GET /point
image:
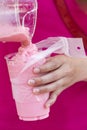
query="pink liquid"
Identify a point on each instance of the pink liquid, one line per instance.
(29, 106)
(14, 34)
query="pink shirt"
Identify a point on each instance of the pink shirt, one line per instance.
(70, 110)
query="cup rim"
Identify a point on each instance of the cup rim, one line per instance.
(9, 56)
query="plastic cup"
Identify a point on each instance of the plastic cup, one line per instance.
(29, 106)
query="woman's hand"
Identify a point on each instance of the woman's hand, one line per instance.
(58, 73)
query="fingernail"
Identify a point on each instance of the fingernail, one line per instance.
(36, 70)
(36, 90)
(31, 82)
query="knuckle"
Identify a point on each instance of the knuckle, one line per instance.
(39, 80)
(53, 65)
(53, 76)
(47, 89)
(55, 86)
(44, 90)
(60, 83)
(44, 68)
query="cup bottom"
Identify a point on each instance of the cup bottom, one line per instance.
(32, 111)
(34, 118)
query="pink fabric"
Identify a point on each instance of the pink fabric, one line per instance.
(70, 110)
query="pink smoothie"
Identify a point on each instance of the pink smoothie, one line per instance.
(14, 34)
(29, 106)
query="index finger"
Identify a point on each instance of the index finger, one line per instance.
(51, 64)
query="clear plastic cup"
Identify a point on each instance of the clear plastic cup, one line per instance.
(29, 106)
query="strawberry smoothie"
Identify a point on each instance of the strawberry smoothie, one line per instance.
(14, 34)
(29, 106)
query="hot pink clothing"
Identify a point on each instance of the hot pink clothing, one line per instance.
(70, 110)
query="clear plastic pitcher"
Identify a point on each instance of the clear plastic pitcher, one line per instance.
(17, 17)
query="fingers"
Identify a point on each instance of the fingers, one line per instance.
(53, 97)
(55, 89)
(57, 77)
(50, 87)
(49, 77)
(45, 89)
(51, 64)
